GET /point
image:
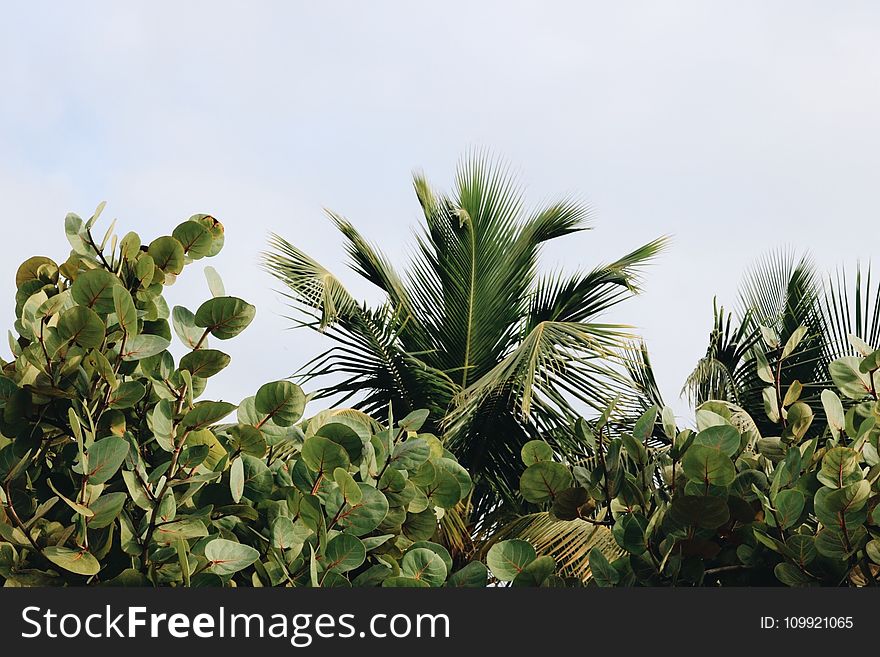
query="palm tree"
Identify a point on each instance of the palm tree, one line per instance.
(783, 292)
(498, 352)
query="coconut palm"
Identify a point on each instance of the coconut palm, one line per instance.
(499, 352)
(783, 292)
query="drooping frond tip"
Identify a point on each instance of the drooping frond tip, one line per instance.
(308, 281)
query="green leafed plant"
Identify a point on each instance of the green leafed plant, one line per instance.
(114, 470)
(726, 504)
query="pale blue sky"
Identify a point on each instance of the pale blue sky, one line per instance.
(735, 127)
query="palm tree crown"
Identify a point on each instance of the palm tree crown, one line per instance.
(498, 352)
(782, 293)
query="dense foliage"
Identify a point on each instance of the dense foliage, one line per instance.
(725, 503)
(114, 471)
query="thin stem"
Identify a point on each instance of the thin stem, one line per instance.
(100, 253)
(18, 523)
(202, 339)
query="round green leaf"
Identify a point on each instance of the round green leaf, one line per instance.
(603, 572)
(424, 565)
(204, 363)
(228, 557)
(216, 230)
(454, 468)
(243, 438)
(800, 416)
(105, 457)
(225, 317)
(106, 509)
(76, 561)
(184, 323)
(507, 559)
(344, 436)
(567, 503)
(31, 269)
(708, 512)
(445, 490)
(536, 450)
(803, 548)
(629, 532)
(723, 438)
(282, 402)
(420, 526)
(536, 572)
(708, 465)
(167, 253)
(206, 413)
(144, 346)
(840, 467)
(287, 534)
(790, 575)
(344, 553)
(127, 394)
(543, 481)
(323, 456)
(125, 310)
(83, 326)
(833, 544)
(438, 549)
(351, 492)
(195, 239)
(410, 454)
(258, 478)
(94, 289)
(835, 505)
(848, 379)
(206, 437)
(363, 517)
(789, 506)
(473, 575)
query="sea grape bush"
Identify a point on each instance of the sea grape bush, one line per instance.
(358, 504)
(113, 470)
(724, 504)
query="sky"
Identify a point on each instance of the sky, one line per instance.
(735, 128)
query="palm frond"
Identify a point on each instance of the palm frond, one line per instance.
(779, 290)
(637, 361)
(470, 332)
(554, 357)
(581, 297)
(467, 281)
(569, 542)
(717, 375)
(312, 285)
(850, 307)
(368, 261)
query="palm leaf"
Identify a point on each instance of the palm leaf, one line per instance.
(850, 308)
(469, 330)
(568, 541)
(312, 285)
